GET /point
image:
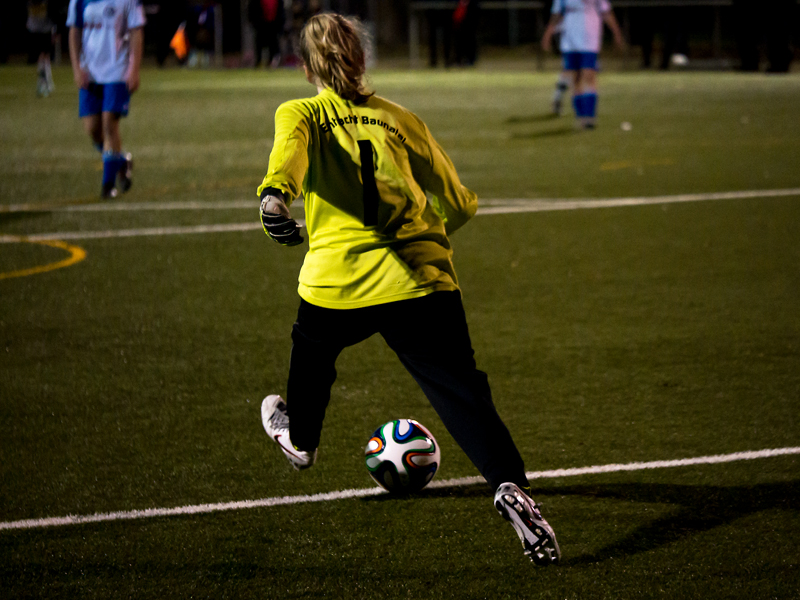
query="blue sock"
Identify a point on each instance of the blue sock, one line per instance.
(112, 163)
(591, 104)
(579, 103)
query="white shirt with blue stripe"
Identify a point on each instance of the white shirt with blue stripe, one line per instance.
(106, 25)
(582, 24)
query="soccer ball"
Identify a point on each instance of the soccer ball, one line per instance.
(402, 456)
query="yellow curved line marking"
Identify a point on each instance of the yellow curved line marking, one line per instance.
(76, 254)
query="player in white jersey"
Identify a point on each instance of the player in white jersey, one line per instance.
(106, 40)
(581, 26)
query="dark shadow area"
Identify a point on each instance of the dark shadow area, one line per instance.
(699, 509)
(567, 126)
(533, 118)
(545, 134)
(13, 217)
(477, 490)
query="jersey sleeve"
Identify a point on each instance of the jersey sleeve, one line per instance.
(136, 16)
(75, 14)
(288, 161)
(455, 203)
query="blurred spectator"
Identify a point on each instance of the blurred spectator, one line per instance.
(668, 21)
(200, 32)
(3, 42)
(758, 22)
(465, 28)
(440, 27)
(301, 11)
(41, 30)
(268, 18)
(165, 16)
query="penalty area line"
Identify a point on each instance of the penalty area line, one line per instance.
(199, 509)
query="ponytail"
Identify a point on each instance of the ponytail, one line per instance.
(333, 52)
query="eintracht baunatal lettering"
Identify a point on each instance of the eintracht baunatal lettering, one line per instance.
(353, 119)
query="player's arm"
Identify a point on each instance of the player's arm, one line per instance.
(611, 22)
(135, 63)
(288, 163)
(454, 202)
(552, 27)
(75, 47)
(288, 160)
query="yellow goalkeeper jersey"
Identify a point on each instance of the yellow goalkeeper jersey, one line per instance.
(381, 197)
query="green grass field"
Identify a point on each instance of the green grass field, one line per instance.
(131, 378)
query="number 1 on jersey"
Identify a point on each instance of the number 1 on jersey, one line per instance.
(371, 197)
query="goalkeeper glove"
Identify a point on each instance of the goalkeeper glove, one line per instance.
(279, 226)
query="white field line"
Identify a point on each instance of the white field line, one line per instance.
(122, 233)
(536, 204)
(523, 205)
(490, 207)
(134, 206)
(375, 491)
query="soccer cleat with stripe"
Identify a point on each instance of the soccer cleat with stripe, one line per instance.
(276, 423)
(537, 537)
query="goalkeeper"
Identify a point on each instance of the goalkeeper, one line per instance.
(379, 261)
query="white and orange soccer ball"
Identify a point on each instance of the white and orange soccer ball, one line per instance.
(402, 456)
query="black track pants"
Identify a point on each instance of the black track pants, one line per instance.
(431, 338)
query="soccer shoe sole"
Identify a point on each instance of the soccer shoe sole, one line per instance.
(298, 458)
(537, 537)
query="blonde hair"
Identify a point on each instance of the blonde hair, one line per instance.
(332, 50)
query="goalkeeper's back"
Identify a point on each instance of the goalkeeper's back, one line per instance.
(365, 167)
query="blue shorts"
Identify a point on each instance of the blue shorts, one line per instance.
(575, 61)
(104, 97)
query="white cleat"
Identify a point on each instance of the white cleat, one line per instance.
(276, 423)
(537, 537)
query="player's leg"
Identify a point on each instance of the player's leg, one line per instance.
(273, 43)
(40, 44)
(116, 163)
(112, 139)
(260, 44)
(443, 364)
(90, 109)
(113, 159)
(585, 97)
(431, 338)
(318, 337)
(562, 87)
(570, 72)
(93, 126)
(48, 73)
(43, 78)
(588, 86)
(44, 61)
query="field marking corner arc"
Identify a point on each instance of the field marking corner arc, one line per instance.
(76, 255)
